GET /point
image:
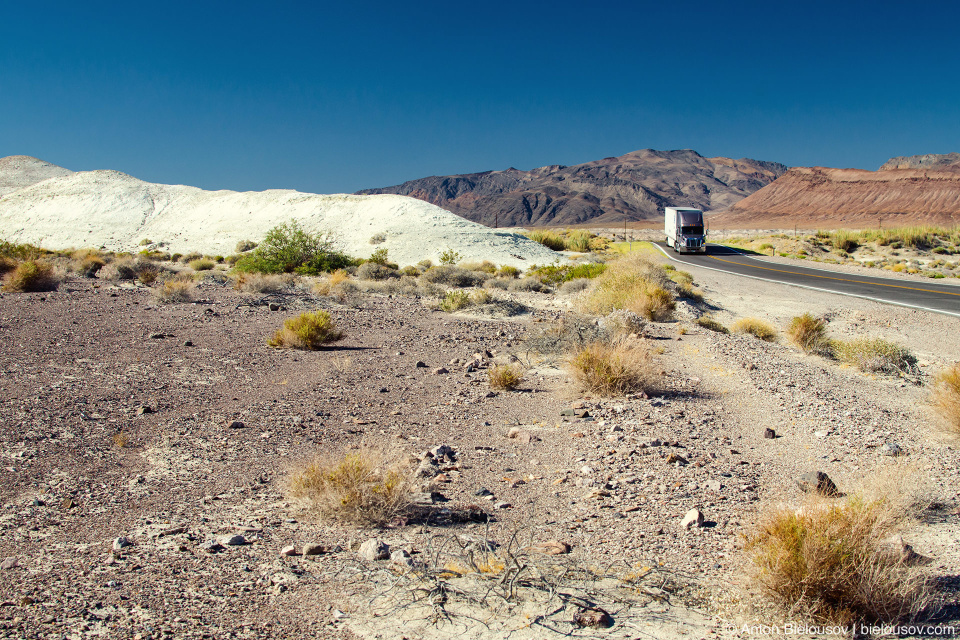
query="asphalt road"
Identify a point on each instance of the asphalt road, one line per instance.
(929, 295)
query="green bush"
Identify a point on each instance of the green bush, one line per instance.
(555, 274)
(379, 256)
(308, 331)
(450, 257)
(288, 248)
(31, 276)
(876, 355)
(201, 264)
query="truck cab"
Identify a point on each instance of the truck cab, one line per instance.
(684, 229)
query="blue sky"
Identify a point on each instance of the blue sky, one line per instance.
(342, 96)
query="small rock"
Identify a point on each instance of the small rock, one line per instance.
(235, 540)
(211, 546)
(483, 491)
(236, 424)
(9, 563)
(513, 432)
(157, 336)
(143, 410)
(274, 306)
(694, 518)
(821, 434)
(121, 543)
(675, 459)
(891, 449)
(586, 470)
(421, 364)
(188, 343)
(401, 557)
(593, 617)
(288, 550)
(769, 433)
(819, 482)
(440, 371)
(373, 550)
(712, 485)
(502, 505)
(551, 548)
(316, 549)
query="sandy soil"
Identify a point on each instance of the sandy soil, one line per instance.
(121, 420)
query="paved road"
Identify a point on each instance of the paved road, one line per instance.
(932, 295)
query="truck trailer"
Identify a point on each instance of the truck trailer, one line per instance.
(684, 229)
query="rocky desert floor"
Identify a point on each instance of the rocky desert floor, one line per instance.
(146, 447)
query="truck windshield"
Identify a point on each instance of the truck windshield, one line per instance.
(692, 231)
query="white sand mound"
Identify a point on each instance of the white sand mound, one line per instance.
(114, 211)
(17, 172)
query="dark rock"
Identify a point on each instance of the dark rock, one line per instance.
(769, 433)
(594, 617)
(818, 482)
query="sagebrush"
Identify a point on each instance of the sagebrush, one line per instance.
(308, 331)
(756, 328)
(810, 334)
(613, 369)
(505, 376)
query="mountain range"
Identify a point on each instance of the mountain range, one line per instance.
(636, 186)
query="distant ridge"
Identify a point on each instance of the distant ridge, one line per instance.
(17, 172)
(906, 190)
(636, 186)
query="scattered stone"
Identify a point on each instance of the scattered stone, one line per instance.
(235, 540)
(143, 410)
(551, 548)
(401, 557)
(713, 485)
(211, 546)
(821, 434)
(586, 470)
(819, 482)
(575, 413)
(442, 451)
(769, 433)
(694, 518)
(483, 491)
(121, 543)
(428, 468)
(891, 449)
(316, 549)
(67, 503)
(373, 550)
(274, 306)
(288, 551)
(513, 432)
(9, 563)
(236, 424)
(677, 459)
(157, 336)
(594, 617)
(188, 343)
(502, 505)
(440, 371)
(421, 364)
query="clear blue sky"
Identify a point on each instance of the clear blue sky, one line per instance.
(335, 97)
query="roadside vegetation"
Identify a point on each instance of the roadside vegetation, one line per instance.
(308, 331)
(946, 398)
(756, 328)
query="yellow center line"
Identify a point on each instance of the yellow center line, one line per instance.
(879, 284)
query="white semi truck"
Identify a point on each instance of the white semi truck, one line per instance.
(684, 229)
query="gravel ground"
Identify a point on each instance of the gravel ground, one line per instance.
(173, 426)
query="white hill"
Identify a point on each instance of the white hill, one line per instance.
(114, 211)
(17, 172)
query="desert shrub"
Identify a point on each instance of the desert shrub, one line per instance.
(245, 245)
(177, 256)
(506, 376)
(31, 276)
(578, 240)
(549, 239)
(122, 269)
(756, 328)
(946, 397)
(575, 286)
(875, 355)
(708, 322)
(831, 562)
(410, 270)
(147, 272)
(308, 331)
(19, 251)
(288, 248)
(689, 292)
(90, 265)
(449, 257)
(261, 283)
(497, 283)
(507, 271)
(572, 333)
(613, 370)
(529, 284)
(7, 265)
(454, 301)
(480, 296)
(145, 242)
(375, 271)
(423, 265)
(555, 274)
(360, 488)
(378, 238)
(634, 283)
(453, 276)
(620, 322)
(201, 264)
(846, 241)
(175, 290)
(809, 333)
(190, 257)
(379, 256)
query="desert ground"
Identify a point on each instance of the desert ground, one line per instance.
(147, 449)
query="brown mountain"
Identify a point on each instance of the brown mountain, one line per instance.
(903, 191)
(635, 186)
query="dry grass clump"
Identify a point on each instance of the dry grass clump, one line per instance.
(31, 276)
(875, 355)
(756, 328)
(707, 322)
(809, 333)
(634, 283)
(505, 376)
(375, 271)
(946, 397)
(453, 276)
(201, 264)
(262, 282)
(308, 331)
(836, 563)
(360, 488)
(613, 370)
(175, 290)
